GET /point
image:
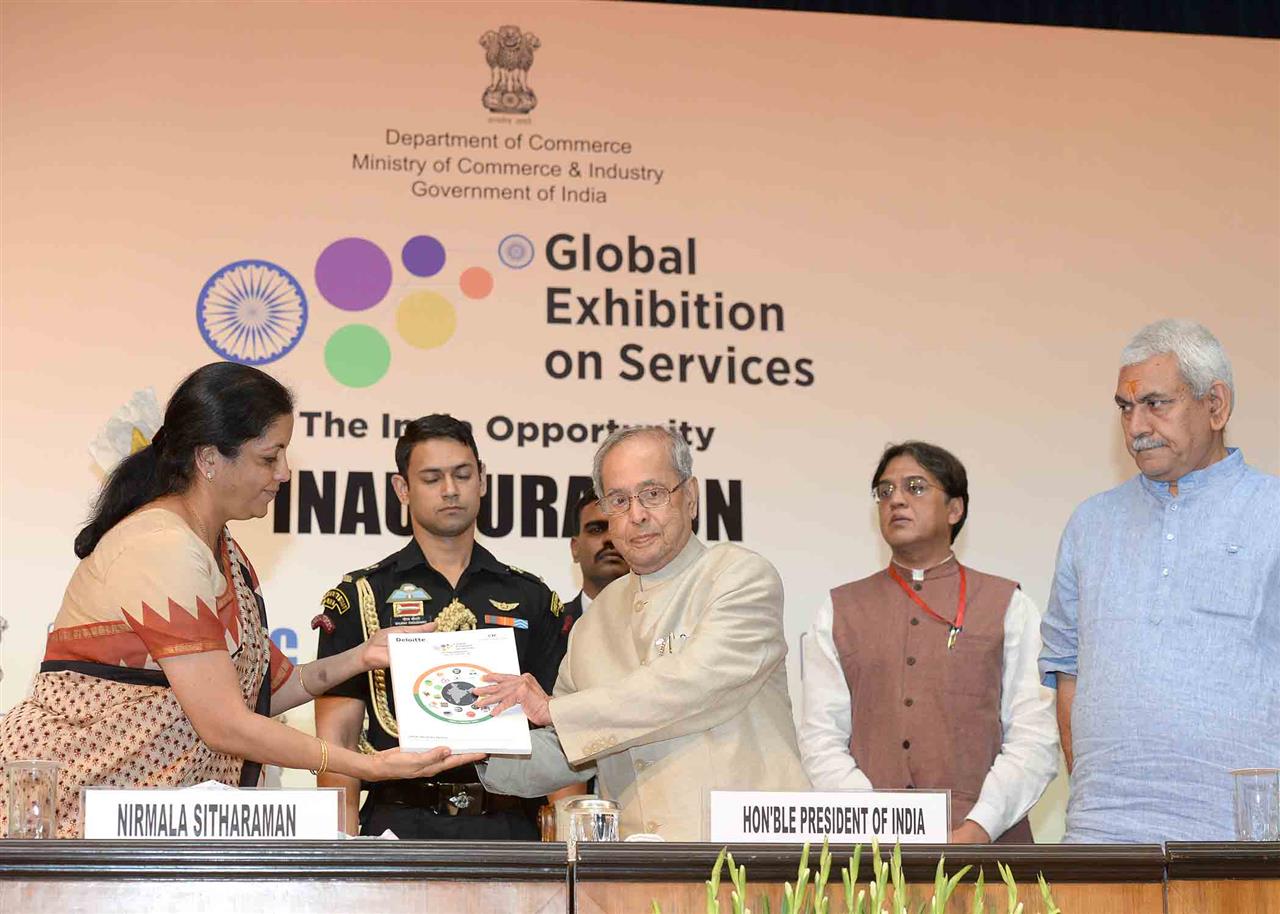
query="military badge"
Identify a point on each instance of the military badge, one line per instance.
(556, 605)
(503, 607)
(508, 621)
(324, 623)
(335, 601)
(408, 603)
(406, 592)
(455, 617)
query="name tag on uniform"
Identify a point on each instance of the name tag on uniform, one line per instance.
(844, 816)
(407, 609)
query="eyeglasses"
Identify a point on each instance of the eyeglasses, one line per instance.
(916, 485)
(616, 503)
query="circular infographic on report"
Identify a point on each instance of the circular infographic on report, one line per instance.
(445, 692)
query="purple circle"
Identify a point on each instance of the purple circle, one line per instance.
(353, 274)
(423, 255)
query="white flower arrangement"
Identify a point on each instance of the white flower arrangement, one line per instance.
(129, 430)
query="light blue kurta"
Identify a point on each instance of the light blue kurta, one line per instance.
(1168, 610)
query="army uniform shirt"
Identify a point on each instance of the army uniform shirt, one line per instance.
(403, 589)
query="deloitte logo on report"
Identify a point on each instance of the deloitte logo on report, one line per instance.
(255, 312)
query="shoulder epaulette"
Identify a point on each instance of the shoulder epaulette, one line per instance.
(527, 574)
(350, 576)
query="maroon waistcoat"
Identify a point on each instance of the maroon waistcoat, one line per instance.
(923, 716)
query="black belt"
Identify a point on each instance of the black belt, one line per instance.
(442, 798)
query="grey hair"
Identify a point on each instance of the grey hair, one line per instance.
(681, 457)
(1200, 357)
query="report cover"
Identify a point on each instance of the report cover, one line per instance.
(432, 678)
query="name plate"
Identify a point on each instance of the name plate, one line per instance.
(843, 816)
(195, 813)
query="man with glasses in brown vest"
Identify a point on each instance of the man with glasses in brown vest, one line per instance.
(923, 675)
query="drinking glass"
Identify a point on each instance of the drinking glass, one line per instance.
(33, 795)
(591, 820)
(1257, 804)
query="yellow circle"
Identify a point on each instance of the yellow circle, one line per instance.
(426, 319)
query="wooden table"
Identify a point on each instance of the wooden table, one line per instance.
(277, 877)
(445, 877)
(1223, 878)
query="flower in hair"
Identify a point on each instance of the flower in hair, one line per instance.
(129, 430)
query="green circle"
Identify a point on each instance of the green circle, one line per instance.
(357, 355)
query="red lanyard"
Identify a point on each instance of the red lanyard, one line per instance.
(953, 628)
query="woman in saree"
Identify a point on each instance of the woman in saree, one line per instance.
(158, 670)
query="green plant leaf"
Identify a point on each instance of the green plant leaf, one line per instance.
(713, 884)
(979, 894)
(1050, 906)
(849, 875)
(1007, 875)
(802, 883)
(882, 878)
(899, 881)
(939, 901)
(950, 887)
(820, 901)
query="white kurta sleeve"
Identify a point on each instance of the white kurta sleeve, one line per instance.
(826, 720)
(1028, 758)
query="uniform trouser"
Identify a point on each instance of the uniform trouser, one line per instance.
(412, 822)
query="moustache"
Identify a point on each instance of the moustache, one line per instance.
(1147, 443)
(608, 553)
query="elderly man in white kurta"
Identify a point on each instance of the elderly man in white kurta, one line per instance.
(675, 683)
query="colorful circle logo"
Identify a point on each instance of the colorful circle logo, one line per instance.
(446, 693)
(252, 312)
(255, 312)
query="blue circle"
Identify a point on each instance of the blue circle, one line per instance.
(515, 251)
(252, 312)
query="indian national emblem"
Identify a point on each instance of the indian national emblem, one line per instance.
(509, 53)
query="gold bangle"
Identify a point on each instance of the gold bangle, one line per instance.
(324, 758)
(302, 679)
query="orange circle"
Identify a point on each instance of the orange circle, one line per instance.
(476, 282)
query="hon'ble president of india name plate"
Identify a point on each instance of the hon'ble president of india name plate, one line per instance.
(433, 676)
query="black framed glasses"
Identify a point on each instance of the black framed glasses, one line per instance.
(652, 496)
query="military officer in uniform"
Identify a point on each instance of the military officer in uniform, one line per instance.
(441, 575)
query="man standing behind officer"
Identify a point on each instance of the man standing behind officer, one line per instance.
(592, 549)
(924, 674)
(442, 570)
